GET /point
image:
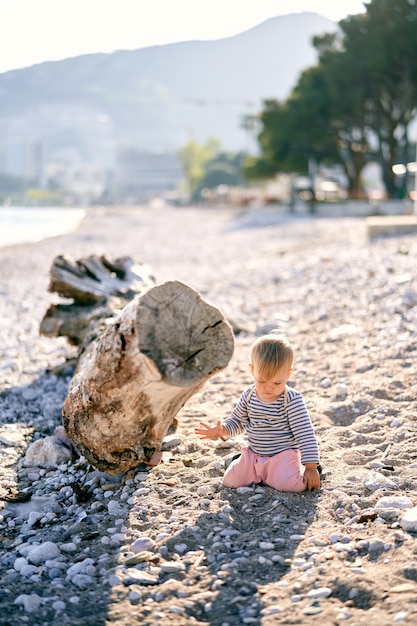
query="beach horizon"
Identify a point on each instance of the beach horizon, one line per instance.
(21, 225)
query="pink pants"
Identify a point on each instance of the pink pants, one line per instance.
(282, 471)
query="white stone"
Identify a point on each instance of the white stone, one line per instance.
(30, 602)
(344, 614)
(204, 490)
(47, 452)
(134, 576)
(30, 393)
(141, 476)
(117, 539)
(321, 592)
(135, 596)
(401, 616)
(82, 567)
(19, 563)
(58, 605)
(394, 502)
(115, 509)
(409, 519)
(171, 567)
(376, 480)
(271, 610)
(395, 423)
(34, 517)
(56, 564)
(43, 552)
(142, 544)
(375, 545)
(244, 490)
(170, 442)
(229, 532)
(82, 581)
(28, 570)
(296, 598)
(341, 390)
(68, 547)
(375, 464)
(181, 548)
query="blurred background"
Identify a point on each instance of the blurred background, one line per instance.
(293, 104)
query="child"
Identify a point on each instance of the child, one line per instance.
(282, 448)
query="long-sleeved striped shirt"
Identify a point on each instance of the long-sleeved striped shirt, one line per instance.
(272, 427)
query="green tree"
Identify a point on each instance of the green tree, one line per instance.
(324, 120)
(43, 197)
(354, 106)
(385, 40)
(345, 89)
(281, 150)
(224, 169)
(194, 158)
(295, 134)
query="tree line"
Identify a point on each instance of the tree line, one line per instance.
(355, 106)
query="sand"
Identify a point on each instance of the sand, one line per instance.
(343, 554)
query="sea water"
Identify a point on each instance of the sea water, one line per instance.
(27, 225)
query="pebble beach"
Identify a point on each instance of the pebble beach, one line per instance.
(171, 544)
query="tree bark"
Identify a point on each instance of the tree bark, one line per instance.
(135, 373)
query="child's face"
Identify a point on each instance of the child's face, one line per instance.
(270, 390)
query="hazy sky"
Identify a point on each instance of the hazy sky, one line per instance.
(33, 31)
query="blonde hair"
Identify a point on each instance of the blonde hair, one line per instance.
(270, 353)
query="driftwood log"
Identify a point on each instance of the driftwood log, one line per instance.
(137, 364)
(98, 289)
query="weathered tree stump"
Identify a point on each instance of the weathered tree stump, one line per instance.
(134, 375)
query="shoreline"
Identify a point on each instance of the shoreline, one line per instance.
(80, 216)
(46, 222)
(23, 225)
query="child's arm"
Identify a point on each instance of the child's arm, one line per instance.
(236, 422)
(208, 432)
(311, 476)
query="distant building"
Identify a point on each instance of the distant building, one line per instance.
(86, 182)
(144, 175)
(22, 159)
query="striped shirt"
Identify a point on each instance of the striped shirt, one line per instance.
(273, 427)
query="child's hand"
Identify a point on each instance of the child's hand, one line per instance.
(311, 476)
(208, 432)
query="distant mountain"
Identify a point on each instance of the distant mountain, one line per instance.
(156, 98)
